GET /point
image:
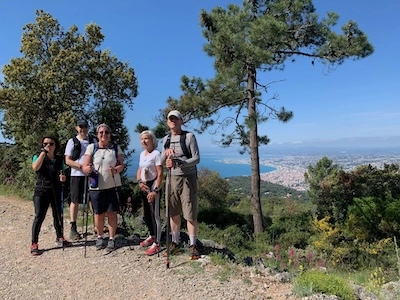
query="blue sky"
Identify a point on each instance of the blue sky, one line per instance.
(162, 41)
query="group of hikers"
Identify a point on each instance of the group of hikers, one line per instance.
(96, 165)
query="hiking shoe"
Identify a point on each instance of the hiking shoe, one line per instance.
(74, 235)
(100, 243)
(147, 242)
(35, 249)
(174, 249)
(194, 252)
(61, 242)
(154, 249)
(111, 246)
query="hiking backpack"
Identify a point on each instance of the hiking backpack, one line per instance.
(114, 146)
(76, 150)
(182, 141)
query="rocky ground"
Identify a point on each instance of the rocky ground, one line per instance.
(123, 274)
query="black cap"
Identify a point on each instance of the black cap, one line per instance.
(82, 122)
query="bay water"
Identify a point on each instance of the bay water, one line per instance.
(226, 164)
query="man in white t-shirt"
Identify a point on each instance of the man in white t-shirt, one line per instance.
(74, 156)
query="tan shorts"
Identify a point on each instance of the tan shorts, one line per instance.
(183, 198)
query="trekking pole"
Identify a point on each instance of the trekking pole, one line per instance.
(168, 194)
(62, 209)
(84, 203)
(57, 212)
(85, 207)
(119, 205)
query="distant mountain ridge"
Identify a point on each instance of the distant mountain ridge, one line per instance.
(359, 142)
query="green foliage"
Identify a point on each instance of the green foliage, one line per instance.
(61, 75)
(223, 218)
(12, 190)
(318, 282)
(290, 220)
(213, 202)
(212, 190)
(362, 205)
(140, 128)
(287, 221)
(378, 216)
(235, 238)
(376, 201)
(320, 179)
(8, 162)
(241, 186)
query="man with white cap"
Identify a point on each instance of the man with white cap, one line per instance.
(181, 155)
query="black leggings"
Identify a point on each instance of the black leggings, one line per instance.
(151, 212)
(41, 204)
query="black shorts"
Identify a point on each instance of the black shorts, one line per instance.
(77, 188)
(104, 201)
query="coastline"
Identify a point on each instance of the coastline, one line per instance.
(287, 168)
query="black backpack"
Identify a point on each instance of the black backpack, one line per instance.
(182, 141)
(76, 150)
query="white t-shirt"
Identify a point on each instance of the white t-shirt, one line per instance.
(148, 163)
(103, 159)
(68, 151)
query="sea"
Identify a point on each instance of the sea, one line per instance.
(227, 164)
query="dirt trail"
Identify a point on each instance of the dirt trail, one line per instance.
(123, 274)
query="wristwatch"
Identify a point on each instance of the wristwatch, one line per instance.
(155, 190)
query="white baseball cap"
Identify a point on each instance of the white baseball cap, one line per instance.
(175, 113)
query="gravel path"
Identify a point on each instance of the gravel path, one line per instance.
(123, 274)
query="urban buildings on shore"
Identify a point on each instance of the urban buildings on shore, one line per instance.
(290, 169)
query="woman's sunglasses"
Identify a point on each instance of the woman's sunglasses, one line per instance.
(104, 132)
(50, 144)
(83, 126)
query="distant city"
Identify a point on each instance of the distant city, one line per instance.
(292, 162)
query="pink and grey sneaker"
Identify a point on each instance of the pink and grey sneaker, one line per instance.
(154, 249)
(35, 249)
(147, 242)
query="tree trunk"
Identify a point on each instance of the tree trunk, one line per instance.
(254, 155)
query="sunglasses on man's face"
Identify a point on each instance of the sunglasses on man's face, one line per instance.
(104, 132)
(83, 126)
(50, 144)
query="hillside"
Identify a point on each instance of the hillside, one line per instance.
(241, 185)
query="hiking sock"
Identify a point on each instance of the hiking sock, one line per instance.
(175, 237)
(192, 239)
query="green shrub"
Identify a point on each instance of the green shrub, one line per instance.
(222, 218)
(318, 282)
